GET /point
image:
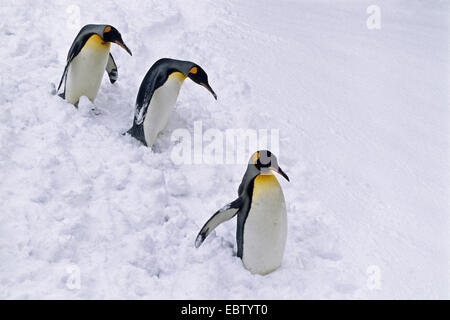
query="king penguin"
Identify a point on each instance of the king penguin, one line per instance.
(261, 216)
(158, 94)
(88, 58)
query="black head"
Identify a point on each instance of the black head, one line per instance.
(199, 76)
(110, 34)
(265, 161)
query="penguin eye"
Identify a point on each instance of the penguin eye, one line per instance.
(265, 159)
(259, 164)
(193, 70)
(107, 29)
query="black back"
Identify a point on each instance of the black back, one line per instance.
(80, 40)
(156, 76)
(245, 192)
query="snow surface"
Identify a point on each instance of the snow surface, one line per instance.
(364, 137)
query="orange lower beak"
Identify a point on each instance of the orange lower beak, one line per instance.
(281, 172)
(123, 46)
(207, 86)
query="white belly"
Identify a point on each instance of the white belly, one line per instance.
(161, 108)
(266, 227)
(86, 71)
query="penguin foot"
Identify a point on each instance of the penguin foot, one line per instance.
(156, 148)
(96, 111)
(53, 90)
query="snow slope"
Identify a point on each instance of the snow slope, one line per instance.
(364, 137)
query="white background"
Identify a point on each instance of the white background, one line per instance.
(364, 137)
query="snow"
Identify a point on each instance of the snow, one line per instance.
(363, 119)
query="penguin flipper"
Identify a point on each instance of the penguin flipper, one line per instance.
(222, 215)
(63, 94)
(111, 69)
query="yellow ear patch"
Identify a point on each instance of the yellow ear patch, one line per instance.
(255, 157)
(193, 70)
(107, 29)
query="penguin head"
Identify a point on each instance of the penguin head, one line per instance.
(199, 76)
(265, 162)
(110, 34)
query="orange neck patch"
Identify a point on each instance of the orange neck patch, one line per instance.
(97, 43)
(177, 76)
(263, 184)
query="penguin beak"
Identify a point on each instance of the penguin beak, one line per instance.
(123, 46)
(207, 86)
(281, 172)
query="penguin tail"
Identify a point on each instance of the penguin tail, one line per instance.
(136, 131)
(132, 131)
